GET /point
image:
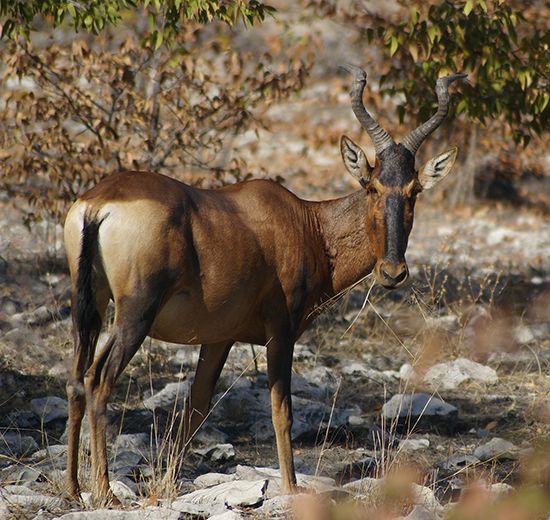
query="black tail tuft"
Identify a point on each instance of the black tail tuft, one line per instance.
(88, 320)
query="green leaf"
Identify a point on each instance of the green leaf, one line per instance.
(394, 44)
(415, 15)
(157, 39)
(461, 106)
(468, 7)
(434, 33)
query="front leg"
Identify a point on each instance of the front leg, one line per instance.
(279, 368)
(211, 360)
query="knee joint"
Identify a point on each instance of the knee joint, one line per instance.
(75, 390)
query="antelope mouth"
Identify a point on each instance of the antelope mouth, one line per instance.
(392, 276)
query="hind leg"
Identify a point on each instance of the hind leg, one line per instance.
(84, 348)
(133, 320)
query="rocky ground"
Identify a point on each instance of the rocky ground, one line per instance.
(445, 380)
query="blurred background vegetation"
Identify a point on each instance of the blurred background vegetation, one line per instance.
(91, 88)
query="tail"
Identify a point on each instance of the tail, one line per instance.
(87, 318)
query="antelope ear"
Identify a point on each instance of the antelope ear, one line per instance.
(437, 168)
(355, 160)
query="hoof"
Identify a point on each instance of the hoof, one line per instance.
(107, 500)
(293, 489)
(114, 502)
(73, 494)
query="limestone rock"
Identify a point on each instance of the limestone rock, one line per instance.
(150, 513)
(450, 375)
(14, 444)
(420, 406)
(413, 444)
(219, 453)
(50, 408)
(497, 449)
(171, 397)
(216, 499)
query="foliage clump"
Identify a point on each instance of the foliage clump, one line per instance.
(73, 114)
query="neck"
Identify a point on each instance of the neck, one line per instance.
(343, 227)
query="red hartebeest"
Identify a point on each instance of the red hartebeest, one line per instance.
(247, 262)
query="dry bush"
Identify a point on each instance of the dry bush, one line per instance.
(76, 112)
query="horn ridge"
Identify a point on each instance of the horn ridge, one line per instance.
(416, 137)
(380, 138)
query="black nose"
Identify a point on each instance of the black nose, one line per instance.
(394, 274)
(395, 279)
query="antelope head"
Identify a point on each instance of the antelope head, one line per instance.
(393, 183)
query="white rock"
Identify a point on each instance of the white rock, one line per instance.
(4, 508)
(424, 496)
(365, 486)
(54, 451)
(125, 461)
(227, 515)
(360, 371)
(407, 372)
(50, 408)
(21, 497)
(241, 356)
(87, 499)
(278, 506)
(448, 323)
(497, 235)
(323, 377)
(13, 444)
(209, 435)
(497, 449)
(414, 444)
(500, 488)
(523, 334)
(121, 490)
(316, 483)
(185, 357)
(214, 500)
(449, 376)
(303, 352)
(356, 420)
(139, 442)
(218, 453)
(36, 317)
(213, 479)
(418, 405)
(171, 397)
(302, 387)
(19, 474)
(150, 513)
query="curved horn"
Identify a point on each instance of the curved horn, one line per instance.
(414, 139)
(379, 136)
